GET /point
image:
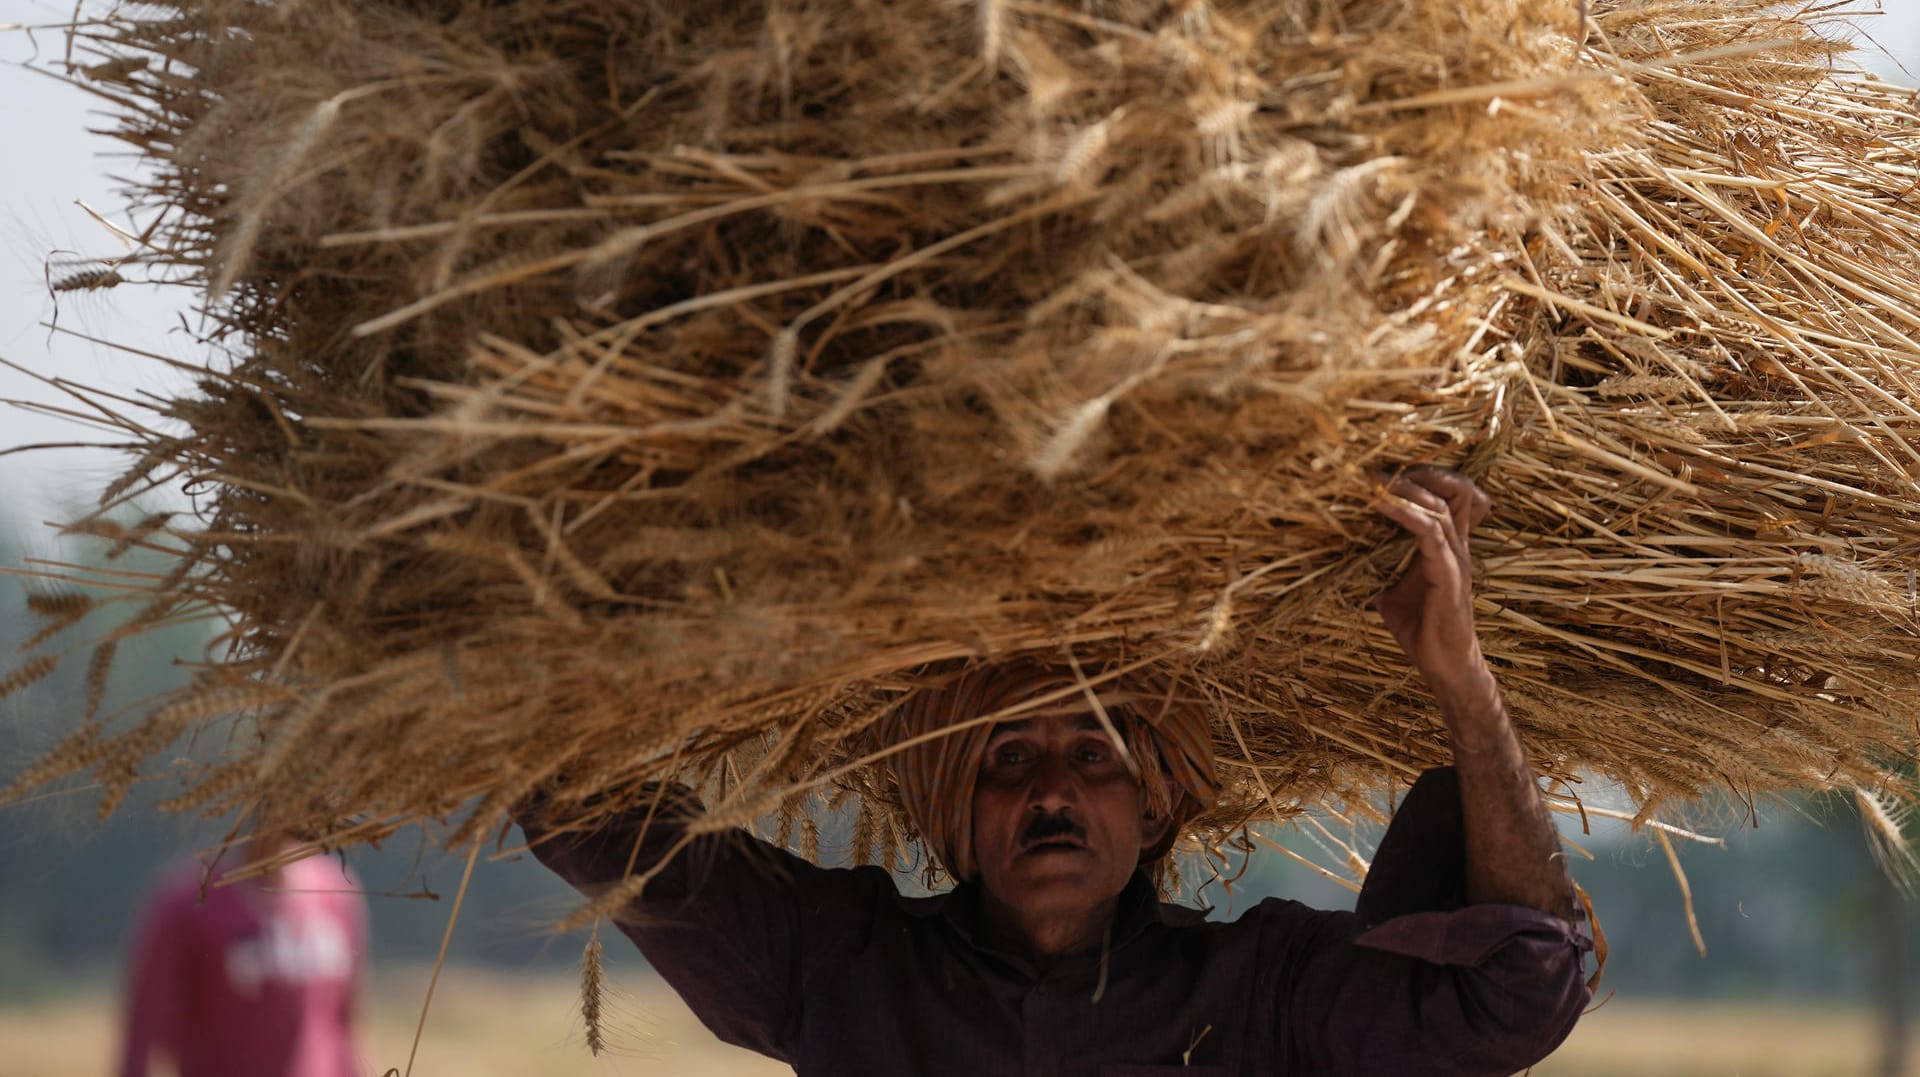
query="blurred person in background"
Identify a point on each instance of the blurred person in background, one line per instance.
(255, 977)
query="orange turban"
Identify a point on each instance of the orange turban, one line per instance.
(1168, 737)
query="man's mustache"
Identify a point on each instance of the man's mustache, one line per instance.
(1049, 827)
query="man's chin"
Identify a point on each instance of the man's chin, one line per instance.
(1059, 875)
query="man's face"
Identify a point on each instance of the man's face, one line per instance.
(1058, 819)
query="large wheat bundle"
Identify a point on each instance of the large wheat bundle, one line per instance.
(630, 389)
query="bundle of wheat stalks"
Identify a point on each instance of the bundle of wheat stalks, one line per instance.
(627, 390)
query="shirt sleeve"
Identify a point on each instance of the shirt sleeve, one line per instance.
(724, 922)
(1417, 981)
(157, 979)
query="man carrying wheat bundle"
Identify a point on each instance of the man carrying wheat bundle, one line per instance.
(736, 393)
(1053, 955)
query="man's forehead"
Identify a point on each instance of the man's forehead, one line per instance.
(1079, 719)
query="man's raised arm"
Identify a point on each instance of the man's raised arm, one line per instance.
(1512, 851)
(1412, 982)
(723, 919)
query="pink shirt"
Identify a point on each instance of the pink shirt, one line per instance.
(257, 980)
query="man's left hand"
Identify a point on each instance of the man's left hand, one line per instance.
(1430, 610)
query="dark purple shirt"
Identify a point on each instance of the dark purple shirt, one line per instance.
(838, 974)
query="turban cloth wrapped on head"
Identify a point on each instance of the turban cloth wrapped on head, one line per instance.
(1167, 736)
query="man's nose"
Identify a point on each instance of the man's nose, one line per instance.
(1055, 785)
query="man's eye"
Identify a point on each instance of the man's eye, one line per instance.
(1093, 754)
(1010, 757)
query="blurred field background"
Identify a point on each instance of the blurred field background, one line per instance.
(1809, 949)
(492, 1023)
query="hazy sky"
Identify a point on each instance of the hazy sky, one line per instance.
(55, 161)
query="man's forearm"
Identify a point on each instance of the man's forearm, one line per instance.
(1513, 852)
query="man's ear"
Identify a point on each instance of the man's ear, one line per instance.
(1153, 828)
